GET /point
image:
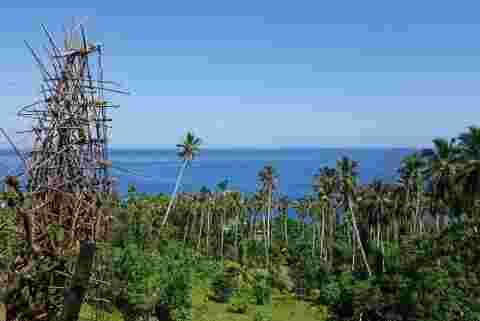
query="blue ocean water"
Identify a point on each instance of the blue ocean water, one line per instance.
(155, 171)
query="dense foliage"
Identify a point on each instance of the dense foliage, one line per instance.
(406, 250)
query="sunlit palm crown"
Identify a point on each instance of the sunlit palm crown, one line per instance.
(190, 147)
(268, 178)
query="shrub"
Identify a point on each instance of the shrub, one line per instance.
(240, 301)
(263, 287)
(218, 285)
(152, 280)
(330, 292)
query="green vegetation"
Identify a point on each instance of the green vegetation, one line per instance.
(405, 251)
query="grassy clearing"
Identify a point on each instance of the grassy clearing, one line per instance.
(283, 307)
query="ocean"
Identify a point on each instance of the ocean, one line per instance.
(155, 171)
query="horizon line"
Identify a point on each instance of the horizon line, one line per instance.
(253, 147)
(264, 147)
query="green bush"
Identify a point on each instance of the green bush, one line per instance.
(240, 301)
(156, 277)
(205, 268)
(330, 292)
(176, 279)
(218, 285)
(263, 287)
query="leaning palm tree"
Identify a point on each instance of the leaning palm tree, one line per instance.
(348, 180)
(188, 150)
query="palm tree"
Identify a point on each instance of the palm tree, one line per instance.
(268, 179)
(222, 186)
(411, 178)
(309, 203)
(470, 142)
(376, 199)
(348, 180)
(324, 205)
(283, 205)
(237, 210)
(325, 184)
(202, 199)
(187, 151)
(442, 163)
(469, 174)
(411, 168)
(300, 207)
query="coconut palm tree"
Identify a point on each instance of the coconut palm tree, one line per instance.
(469, 174)
(222, 186)
(324, 205)
(268, 179)
(376, 200)
(300, 207)
(283, 204)
(348, 180)
(187, 151)
(237, 211)
(411, 168)
(325, 183)
(442, 163)
(201, 202)
(470, 142)
(411, 178)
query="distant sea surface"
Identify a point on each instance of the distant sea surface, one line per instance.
(155, 171)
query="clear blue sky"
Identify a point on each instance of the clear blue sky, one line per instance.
(265, 73)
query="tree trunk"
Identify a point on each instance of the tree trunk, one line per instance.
(353, 250)
(322, 235)
(208, 230)
(383, 256)
(333, 229)
(73, 297)
(354, 223)
(202, 210)
(303, 227)
(222, 232)
(174, 193)
(265, 238)
(253, 224)
(186, 229)
(417, 211)
(237, 250)
(190, 230)
(313, 238)
(269, 213)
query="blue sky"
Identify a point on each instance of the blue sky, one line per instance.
(265, 73)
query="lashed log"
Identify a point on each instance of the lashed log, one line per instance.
(74, 296)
